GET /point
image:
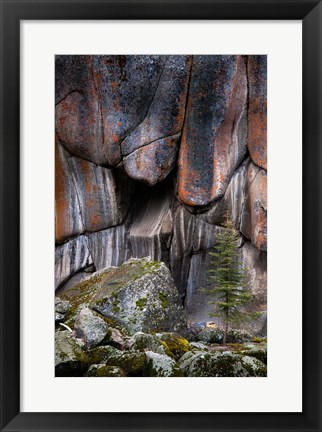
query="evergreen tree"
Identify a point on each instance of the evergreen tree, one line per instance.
(228, 280)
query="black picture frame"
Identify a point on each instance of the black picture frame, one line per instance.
(12, 12)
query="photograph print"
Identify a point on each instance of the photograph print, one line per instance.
(160, 216)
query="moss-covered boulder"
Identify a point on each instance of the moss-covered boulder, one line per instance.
(100, 370)
(90, 328)
(214, 334)
(144, 342)
(100, 354)
(238, 336)
(199, 346)
(159, 365)
(175, 345)
(61, 308)
(70, 359)
(211, 335)
(132, 363)
(258, 351)
(221, 364)
(140, 295)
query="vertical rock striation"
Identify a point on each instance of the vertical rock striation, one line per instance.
(215, 131)
(257, 109)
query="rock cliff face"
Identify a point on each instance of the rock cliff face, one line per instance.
(152, 152)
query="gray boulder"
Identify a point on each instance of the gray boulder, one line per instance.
(144, 342)
(159, 365)
(70, 359)
(211, 335)
(221, 364)
(61, 306)
(90, 328)
(139, 295)
(114, 337)
(101, 370)
(132, 363)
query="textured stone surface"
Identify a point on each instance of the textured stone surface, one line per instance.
(103, 194)
(152, 163)
(132, 363)
(175, 344)
(109, 247)
(70, 258)
(61, 306)
(70, 360)
(144, 342)
(165, 114)
(204, 236)
(140, 295)
(256, 263)
(214, 136)
(90, 328)
(231, 204)
(149, 115)
(257, 109)
(126, 86)
(181, 247)
(101, 370)
(227, 364)
(114, 338)
(151, 225)
(68, 220)
(254, 215)
(159, 365)
(78, 116)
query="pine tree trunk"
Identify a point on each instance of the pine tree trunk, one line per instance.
(226, 328)
(225, 334)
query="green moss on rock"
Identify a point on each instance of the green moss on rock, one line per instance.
(174, 344)
(100, 371)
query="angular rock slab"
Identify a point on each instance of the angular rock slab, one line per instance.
(257, 109)
(104, 194)
(70, 258)
(68, 219)
(141, 295)
(152, 163)
(90, 328)
(214, 137)
(78, 114)
(254, 215)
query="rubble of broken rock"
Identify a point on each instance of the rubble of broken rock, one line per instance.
(128, 321)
